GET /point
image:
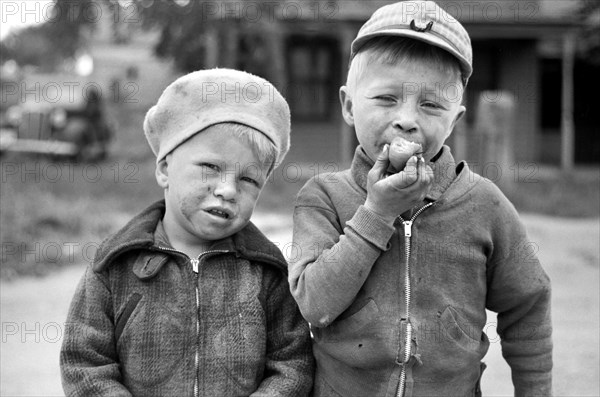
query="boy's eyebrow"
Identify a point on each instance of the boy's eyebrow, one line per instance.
(396, 86)
(218, 160)
(430, 92)
(384, 86)
(205, 157)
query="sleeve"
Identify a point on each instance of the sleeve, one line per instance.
(332, 263)
(289, 367)
(519, 291)
(88, 358)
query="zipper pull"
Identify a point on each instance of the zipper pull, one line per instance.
(195, 263)
(407, 228)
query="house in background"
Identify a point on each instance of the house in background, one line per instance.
(522, 47)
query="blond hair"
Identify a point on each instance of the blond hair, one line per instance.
(261, 145)
(399, 51)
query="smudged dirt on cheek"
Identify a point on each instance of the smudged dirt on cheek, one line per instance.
(189, 206)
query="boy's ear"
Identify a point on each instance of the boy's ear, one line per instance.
(347, 105)
(461, 112)
(162, 173)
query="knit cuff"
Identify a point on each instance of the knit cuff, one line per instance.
(372, 228)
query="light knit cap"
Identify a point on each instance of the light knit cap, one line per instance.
(424, 21)
(204, 98)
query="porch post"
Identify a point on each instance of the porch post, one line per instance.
(567, 126)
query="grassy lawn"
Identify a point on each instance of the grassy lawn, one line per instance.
(565, 194)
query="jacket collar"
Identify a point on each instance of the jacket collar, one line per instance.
(444, 171)
(139, 233)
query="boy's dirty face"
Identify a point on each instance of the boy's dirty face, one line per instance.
(212, 183)
(413, 100)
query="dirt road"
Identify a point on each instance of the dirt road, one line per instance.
(33, 312)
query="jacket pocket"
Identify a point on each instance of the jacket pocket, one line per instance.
(151, 344)
(239, 331)
(238, 346)
(453, 349)
(365, 339)
(467, 335)
(126, 314)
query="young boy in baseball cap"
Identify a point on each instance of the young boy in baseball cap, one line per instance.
(397, 265)
(190, 298)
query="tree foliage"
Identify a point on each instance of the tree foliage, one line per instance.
(58, 38)
(182, 26)
(186, 27)
(589, 43)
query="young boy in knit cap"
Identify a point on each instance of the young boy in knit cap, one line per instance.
(190, 298)
(396, 269)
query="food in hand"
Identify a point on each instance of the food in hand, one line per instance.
(400, 151)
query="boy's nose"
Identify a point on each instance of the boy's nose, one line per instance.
(226, 188)
(405, 119)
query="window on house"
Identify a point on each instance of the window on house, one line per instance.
(313, 67)
(551, 92)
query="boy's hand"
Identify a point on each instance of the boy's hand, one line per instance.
(391, 195)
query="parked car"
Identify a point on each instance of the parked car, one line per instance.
(78, 130)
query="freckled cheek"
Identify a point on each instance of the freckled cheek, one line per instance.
(199, 188)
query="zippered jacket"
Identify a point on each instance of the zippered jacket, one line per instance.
(401, 310)
(143, 323)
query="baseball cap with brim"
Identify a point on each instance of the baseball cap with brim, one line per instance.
(420, 20)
